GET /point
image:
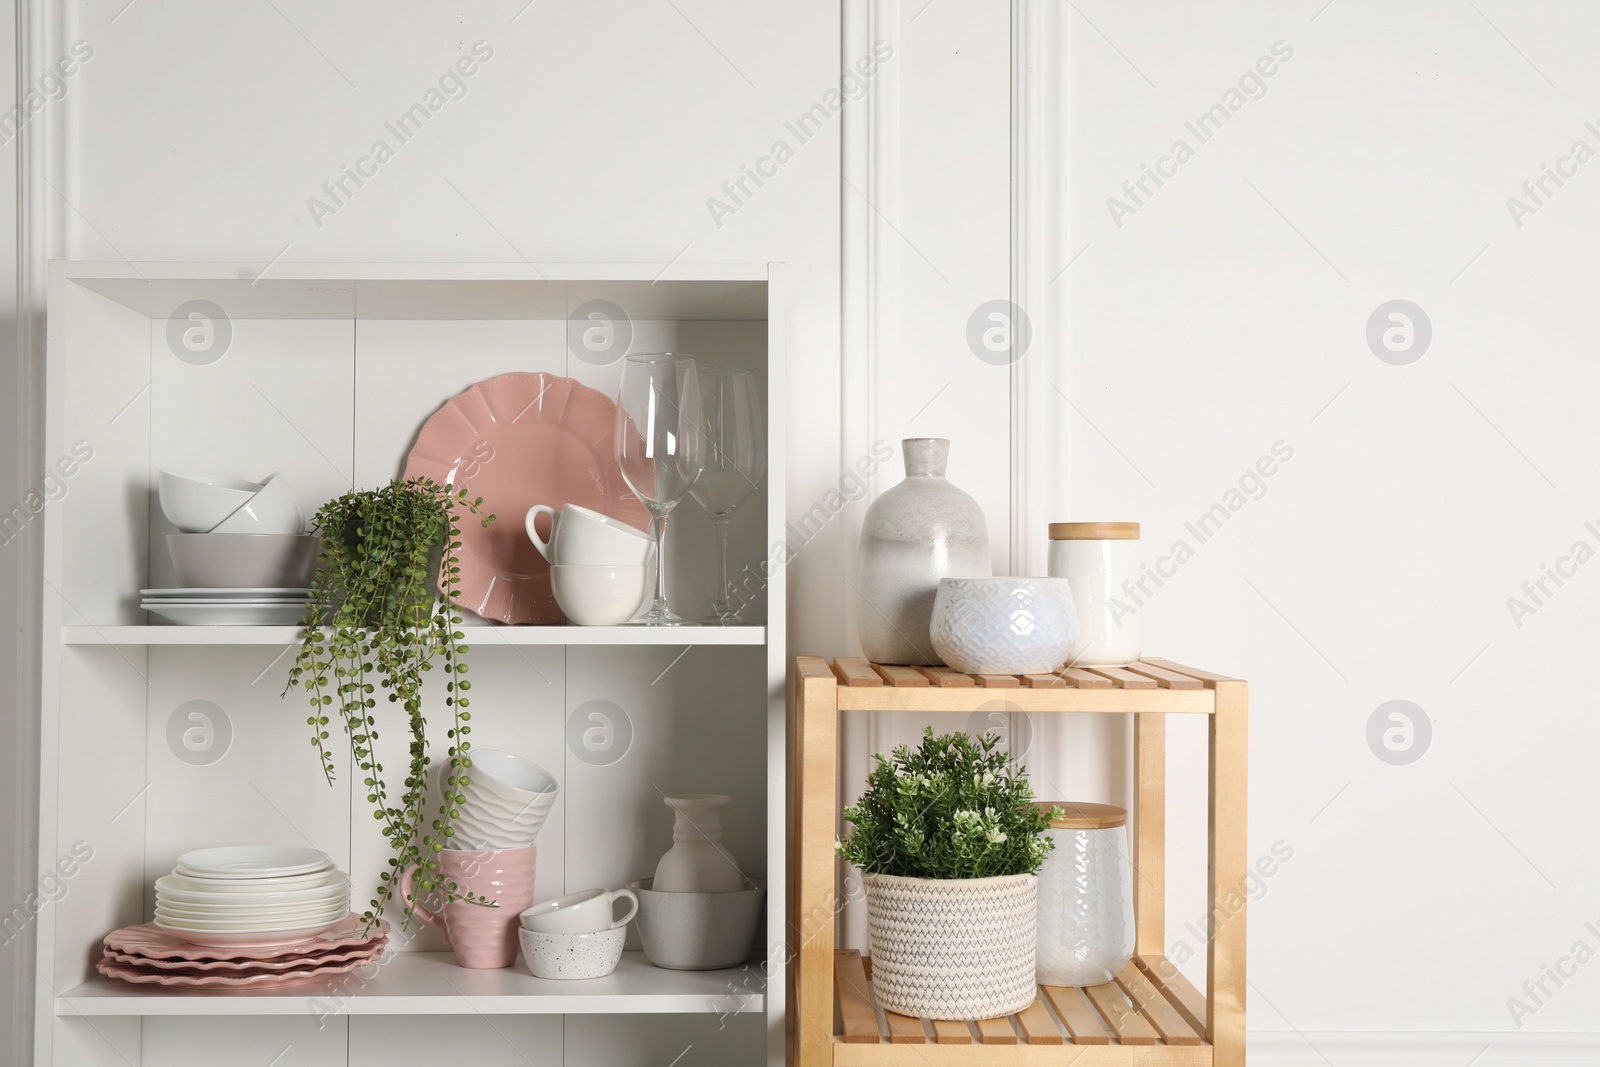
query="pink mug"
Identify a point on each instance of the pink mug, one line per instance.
(482, 937)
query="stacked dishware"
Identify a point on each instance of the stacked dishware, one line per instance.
(149, 955)
(241, 555)
(597, 563)
(490, 855)
(252, 896)
(576, 936)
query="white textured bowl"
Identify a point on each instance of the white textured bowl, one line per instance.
(570, 956)
(273, 510)
(1004, 625)
(195, 502)
(242, 560)
(507, 802)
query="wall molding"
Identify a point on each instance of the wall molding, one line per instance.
(1289, 1048)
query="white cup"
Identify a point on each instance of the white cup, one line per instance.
(579, 535)
(598, 594)
(580, 913)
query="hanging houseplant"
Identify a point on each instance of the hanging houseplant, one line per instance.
(949, 843)
(372, 626)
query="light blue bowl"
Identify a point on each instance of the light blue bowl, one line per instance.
(1004, 625)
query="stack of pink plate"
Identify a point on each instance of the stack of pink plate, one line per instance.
(150, 955)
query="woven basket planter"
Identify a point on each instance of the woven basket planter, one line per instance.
(958, 948)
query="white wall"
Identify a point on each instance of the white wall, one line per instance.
(1230, 313)
(1227, 313)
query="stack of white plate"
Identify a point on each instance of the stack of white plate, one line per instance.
(226, 607)
(252, 895)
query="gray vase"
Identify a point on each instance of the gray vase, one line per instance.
(920, 531)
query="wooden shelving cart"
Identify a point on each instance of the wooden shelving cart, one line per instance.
(1150, 1015)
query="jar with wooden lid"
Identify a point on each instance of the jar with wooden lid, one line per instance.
(1100, 561)
(1086, 928)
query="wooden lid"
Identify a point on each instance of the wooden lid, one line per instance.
(1081, 816)
(1094, 531)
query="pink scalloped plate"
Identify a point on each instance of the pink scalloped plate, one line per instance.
(519, 440)
(283, 963)
(112, 969)
(152, 942)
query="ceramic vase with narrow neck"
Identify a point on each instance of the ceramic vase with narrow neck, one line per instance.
(697, 862)
(919, 531)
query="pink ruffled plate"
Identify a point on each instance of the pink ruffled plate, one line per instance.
(152, 942)
(284, 963)
(137, 975)
(519, 440)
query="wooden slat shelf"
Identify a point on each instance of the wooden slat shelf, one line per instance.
(1150, 1015)
(1146, 686)
(1132, 1020)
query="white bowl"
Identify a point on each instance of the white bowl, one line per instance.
(195, 502)
(219, 560)
(507, 800)
(1003, 625)
(273, 510)
(572, 956)
(598, 594)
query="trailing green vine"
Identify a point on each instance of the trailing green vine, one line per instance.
(371, 616)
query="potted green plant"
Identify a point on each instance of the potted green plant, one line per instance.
(949, 842)
(373, 626)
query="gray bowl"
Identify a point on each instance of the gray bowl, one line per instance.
(243, 561)
(698, 931)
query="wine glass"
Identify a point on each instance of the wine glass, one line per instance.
(660, 446)
(736, 458)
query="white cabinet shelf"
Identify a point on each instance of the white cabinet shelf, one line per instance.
(157, 739)
(430, 983)
(477, 636)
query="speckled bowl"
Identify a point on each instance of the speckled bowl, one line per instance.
(572, 955)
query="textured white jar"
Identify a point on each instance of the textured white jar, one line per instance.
(1100, 561)
(1086, 929)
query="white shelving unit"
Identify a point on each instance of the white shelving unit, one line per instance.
(430, 983)
(328, 373)
(84, 634)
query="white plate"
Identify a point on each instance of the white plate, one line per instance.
(243, 938)
(285, 614)
(252, 906)
(253, 861)
(208, 891)
(265, 920)
(202, 593)
(264, 924)
(232, 602)
(248, 888)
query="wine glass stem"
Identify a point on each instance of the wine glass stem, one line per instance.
(660, 523)
(724, 602)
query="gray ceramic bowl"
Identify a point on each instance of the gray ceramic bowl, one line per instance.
(243, 561)
(698, 931)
